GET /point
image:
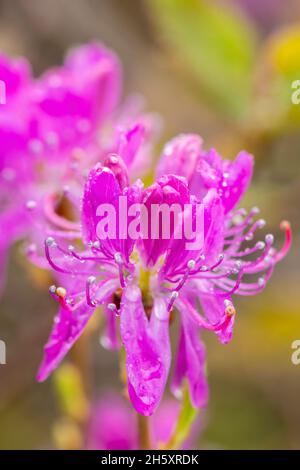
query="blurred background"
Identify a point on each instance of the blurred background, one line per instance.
(222, 69)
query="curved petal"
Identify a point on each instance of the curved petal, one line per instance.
(207, 241)
(16, 74)
(68, 326)
(180, 156)
(111, 425)
(101, 67)
(214, 310)
(190, 363)
(102, 189)
(230, 178)
(76, 97)
(237, 176)
(14, 223)
(129, 142)
(147, 347)
(167, 192)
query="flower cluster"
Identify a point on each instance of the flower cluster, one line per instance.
(52, 130)
(72, 148)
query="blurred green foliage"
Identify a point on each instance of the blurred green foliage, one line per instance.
(217, 45)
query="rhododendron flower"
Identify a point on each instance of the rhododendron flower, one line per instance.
(146, 282)
(53, 130)
(113, 425)
(184, 156)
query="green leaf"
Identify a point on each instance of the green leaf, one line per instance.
(183, 427)
(278, 69)
(70, 392)
(214, 43)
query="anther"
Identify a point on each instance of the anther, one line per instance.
(61, 292)
(173, 297)
(260, 245)
(261, 223)
(229, 308)
(285, 225)
(238, 265)
(91, 280)
(50, 241)
(269, 239)
(118, 258)
(111, 306)
(191, 264)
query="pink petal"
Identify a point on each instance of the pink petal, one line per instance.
(180, 156)
(214, 310)
(68, 326)
(77, 97)
(16, 74)
(180, 252)
(112, 425)
(102, 187)
(190, 363)
(167, 190)
(130, 141)
(147, 349)
(230, 178)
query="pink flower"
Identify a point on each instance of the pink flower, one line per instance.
(184, 156)
(53, 130)
(159, 277)
(113, 424)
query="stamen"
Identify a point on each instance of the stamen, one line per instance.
(119, 261)
(221, 258)
(249, 251)
(91, 280)
(61, 292)
(50, 241)
(229, 308)
(191, 264)
(235, 286)
(173, 298)
(52, 290)
(286, 226)
(89, 300)
(240, 225)
(96, 245)
(195, 315)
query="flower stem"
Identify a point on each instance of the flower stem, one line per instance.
(144, 432)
